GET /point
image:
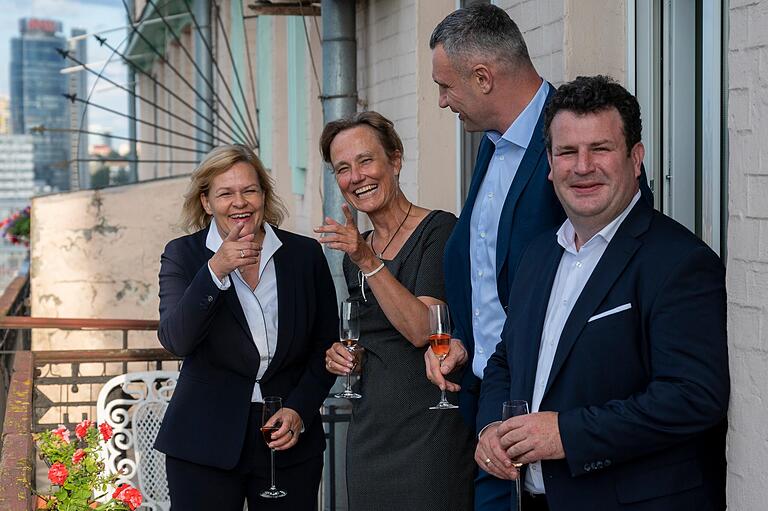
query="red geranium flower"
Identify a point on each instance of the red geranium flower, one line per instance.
(62, 432)
(105, 430)
(82, 429)
(58, 473)
(129, 495)
(78, 456)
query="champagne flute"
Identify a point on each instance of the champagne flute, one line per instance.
(440, 340)
(272, 405)
(349, 334)
(508, 410)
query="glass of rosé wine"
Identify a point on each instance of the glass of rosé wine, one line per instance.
(440, 341)
(349, 334)
(272, 405)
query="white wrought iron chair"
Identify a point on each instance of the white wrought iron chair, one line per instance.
(134, 405)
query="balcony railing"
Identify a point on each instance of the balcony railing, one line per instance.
(48, 388)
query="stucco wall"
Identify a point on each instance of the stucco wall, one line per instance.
(96, 254)
(748, 254)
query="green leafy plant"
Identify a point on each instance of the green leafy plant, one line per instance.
(77, 472)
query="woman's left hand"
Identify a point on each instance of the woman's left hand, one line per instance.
(290, 428)
(348, 239)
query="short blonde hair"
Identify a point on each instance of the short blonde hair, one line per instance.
(219, 160)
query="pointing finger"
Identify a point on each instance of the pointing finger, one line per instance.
(234, 233)
(348, 215)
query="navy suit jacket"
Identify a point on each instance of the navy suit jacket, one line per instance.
(207, 417)
(642, 393)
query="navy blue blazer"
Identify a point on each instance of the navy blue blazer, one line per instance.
(207, 417)
(530, 208)
(642, 393)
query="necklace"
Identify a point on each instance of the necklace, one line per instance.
(373, 233)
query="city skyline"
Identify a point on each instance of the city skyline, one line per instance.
(91, 16)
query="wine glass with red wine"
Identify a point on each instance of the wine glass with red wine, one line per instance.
(272, 405)
(440, 340)
(349, 334)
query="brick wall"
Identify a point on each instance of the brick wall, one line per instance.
(748, 254)
(386, 73)
(542, 23)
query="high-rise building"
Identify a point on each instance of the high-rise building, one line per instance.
(17, 172)
(5, 115)
(80, 174)
(37, 97)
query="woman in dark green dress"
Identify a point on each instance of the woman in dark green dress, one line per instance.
(400, 454)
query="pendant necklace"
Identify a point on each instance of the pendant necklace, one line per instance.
(373, 233)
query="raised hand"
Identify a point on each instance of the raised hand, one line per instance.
(235, 252)
(348, 239)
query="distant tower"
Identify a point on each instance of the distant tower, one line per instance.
(80, 174)
(37, 88)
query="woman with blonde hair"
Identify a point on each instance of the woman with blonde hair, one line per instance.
(251, 309)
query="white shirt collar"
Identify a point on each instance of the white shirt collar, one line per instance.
(269, 246)
(521, 130)
(566, 235)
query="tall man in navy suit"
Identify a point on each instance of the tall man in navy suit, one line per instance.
(620, 346)
(480, 62)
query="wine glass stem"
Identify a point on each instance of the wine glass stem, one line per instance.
(349, 382)
(442, 391)
(272, 468)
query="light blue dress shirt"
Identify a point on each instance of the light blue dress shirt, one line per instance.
(487, 313)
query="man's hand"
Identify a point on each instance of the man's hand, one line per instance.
(530, 438)
(436, 371)
(491, 457)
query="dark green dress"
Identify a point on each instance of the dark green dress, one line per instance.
(400, 455)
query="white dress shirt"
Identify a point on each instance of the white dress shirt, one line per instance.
(488, 315)
(576, 266)
(259, 305)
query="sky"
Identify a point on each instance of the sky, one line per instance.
(90, 15)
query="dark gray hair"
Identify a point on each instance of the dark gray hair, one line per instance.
(481, 29)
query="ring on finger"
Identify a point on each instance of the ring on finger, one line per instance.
(487, 461)
(242, 254)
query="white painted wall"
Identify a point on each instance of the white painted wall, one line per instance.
(96, 254)
(542, 23)
(747, 263)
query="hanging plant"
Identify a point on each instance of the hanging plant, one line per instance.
(16, 227)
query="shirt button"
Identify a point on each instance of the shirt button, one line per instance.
(578, 264)
(482, 234)
(501, 157)
(477, 312)
(480, 274)
(480, 350)
(210, 298)
(490, 195)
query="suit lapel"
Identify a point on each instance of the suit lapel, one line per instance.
(533, 161)
(613, 262)
(534, 315)
(285, 271)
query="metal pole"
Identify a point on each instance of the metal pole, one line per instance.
(132, 154)
(339, 98)
(202, 12)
